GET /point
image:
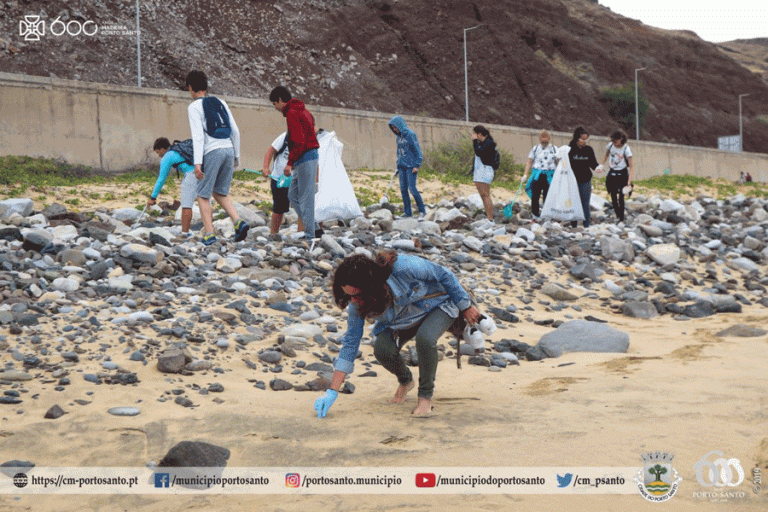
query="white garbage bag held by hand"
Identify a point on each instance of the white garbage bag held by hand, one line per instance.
(563, 200)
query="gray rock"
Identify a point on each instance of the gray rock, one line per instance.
(586, 271)
(171, 361)
(636, 309)
(742, 331)
(54, 210)
(583, 336)
(141, 254)
(195, 454)
(15, 376)
(270, 356)
(36, 239)
(22, 206)
(124, 411)
(615, 249)
(65, 285)
(664, 254)
(11, 467)
(280, 385)
(744, 265)
(54, 413)
(701, 309)
(557, 292)
(100, 269)
(72, 257)
(129, 214)
(332, 246)
(199, 365)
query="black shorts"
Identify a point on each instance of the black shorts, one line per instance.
(616, 180)
(280, 203)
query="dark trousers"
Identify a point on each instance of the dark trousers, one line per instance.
(615, 183)
(540, 187)
(426, 332)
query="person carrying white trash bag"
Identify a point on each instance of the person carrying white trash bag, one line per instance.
(563, 201)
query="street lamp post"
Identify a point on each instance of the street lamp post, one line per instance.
(741, 130)
(637, 108)
(138, 45)
(466, 86)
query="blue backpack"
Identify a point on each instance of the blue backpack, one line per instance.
(216, 118)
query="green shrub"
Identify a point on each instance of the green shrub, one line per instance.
(620, 103)
(451, 162)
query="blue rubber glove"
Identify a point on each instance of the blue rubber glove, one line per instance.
(324, 402)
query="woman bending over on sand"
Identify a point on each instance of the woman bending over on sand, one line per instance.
(409, 297)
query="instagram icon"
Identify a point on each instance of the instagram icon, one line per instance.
(292, 479)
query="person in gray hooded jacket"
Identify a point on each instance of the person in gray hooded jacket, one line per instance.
(409, 159)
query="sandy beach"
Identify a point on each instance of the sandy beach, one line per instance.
(680, 388)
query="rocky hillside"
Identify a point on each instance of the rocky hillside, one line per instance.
(532, 63)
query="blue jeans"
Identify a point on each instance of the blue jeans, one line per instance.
(408, 183)
(585, 192)
(301, 194)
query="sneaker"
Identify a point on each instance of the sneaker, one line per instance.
(319, 233)
(209, 239)
(241, 230)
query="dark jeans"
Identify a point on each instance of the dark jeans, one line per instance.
(538, 188)
(615, 183)
(408, 183)
(426, 332)
(585, 192)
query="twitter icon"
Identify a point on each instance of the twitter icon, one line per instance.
(564, 481)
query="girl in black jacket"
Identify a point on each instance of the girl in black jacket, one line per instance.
(583, 160)
(482, 168)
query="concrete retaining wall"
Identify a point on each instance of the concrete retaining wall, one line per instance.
(112, 128)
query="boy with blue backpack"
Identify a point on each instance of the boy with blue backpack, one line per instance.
(216, 143)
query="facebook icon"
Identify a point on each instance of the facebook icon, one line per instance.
(162, 480)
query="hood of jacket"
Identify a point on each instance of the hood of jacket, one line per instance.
(399, 123)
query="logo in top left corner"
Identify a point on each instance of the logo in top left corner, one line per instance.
(32, 27)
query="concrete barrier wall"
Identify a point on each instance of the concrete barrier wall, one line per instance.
(112, 128)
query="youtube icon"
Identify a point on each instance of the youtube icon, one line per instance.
(425, 480)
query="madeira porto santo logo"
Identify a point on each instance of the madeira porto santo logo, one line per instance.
(658, 480)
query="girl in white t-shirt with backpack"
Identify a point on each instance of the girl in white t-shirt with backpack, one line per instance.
(620, 173)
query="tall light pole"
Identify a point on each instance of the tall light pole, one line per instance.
(466, 86)
(138, 44)
(741, 130)
(637, 108)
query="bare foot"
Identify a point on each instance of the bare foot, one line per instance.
(424, 408)
(402, 390)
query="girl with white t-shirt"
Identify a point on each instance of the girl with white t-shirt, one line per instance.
(620, 174)
(541, 164)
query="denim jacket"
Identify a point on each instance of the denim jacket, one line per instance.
(412, 279)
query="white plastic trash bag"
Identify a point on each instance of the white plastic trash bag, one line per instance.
(563, 200)
(335, 198)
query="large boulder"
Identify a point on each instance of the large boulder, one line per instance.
(22, 206)
(583, 336)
